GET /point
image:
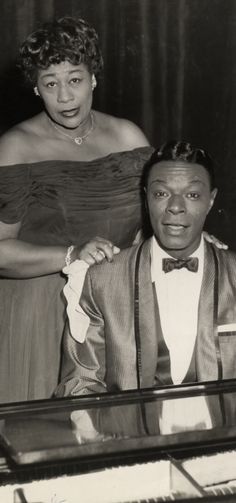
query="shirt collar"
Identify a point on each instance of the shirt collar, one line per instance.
(157, 254)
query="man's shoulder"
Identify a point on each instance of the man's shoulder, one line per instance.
(227, 262)
(121, 260)
(112, 278)
(226, 256)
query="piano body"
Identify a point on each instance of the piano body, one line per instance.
(176, 443)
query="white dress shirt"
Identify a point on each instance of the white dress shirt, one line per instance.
(178, 294)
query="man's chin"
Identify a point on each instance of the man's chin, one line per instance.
(178, 248)
(172, 244)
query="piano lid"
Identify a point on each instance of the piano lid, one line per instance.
(160, 420)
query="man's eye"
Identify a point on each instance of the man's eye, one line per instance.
(193, 195)
(160, 193)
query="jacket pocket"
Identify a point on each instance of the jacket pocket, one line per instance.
(227, 343)
(227, 336)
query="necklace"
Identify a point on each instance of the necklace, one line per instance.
(78, 139)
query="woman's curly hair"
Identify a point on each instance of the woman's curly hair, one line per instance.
(65, 39)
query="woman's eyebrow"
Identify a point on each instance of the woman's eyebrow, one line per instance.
(54, 74)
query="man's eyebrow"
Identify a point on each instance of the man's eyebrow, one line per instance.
(158, 180)
(194, 180)
(197, 181)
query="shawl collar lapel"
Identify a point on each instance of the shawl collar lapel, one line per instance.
(206, 358)
(150, 328)
(148, 318)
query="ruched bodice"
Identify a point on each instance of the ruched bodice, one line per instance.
(58, 203)
(63, 202)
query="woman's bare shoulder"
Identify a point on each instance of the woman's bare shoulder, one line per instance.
(127, 134)
(15, 142)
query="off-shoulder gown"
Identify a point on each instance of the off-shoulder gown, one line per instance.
(58, 203)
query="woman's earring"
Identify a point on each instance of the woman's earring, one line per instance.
(94, 82)
(36, 91)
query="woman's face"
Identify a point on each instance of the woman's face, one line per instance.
(66, 91)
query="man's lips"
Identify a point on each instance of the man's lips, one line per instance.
(172, 224)
(175, 229)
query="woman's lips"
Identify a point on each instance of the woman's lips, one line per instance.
(69, 113)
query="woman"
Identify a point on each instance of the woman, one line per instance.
(67, 175)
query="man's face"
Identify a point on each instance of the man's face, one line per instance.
(178, 197)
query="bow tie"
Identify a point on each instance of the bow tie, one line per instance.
(168, 264)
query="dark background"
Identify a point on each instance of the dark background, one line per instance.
(170, 66)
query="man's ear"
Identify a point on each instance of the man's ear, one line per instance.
(145, 199)
(212, 198)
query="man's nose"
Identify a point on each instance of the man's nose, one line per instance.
(176, 204)
(64, 94)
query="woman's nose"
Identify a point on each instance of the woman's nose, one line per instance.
(64, 95)
(176, 204)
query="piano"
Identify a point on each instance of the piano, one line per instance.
(174, 443)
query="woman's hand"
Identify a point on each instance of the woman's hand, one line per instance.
(216, 242)
(96, 250)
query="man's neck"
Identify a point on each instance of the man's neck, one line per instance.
(182, 253)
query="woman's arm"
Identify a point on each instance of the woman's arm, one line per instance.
(131, 136)
(19, 259)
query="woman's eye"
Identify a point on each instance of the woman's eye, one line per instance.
(51, 84)
(75, 80)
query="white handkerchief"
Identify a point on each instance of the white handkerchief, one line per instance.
(229, 327)
(78, 320)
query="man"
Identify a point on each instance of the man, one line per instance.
(162, 312)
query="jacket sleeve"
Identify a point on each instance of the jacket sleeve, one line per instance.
(83, 365)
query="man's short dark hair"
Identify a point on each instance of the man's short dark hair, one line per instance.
(180, 151)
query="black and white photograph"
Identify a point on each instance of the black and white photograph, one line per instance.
(118, 251)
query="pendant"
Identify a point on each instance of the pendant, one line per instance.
(78, 140)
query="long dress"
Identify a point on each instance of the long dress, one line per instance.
(58, 203)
